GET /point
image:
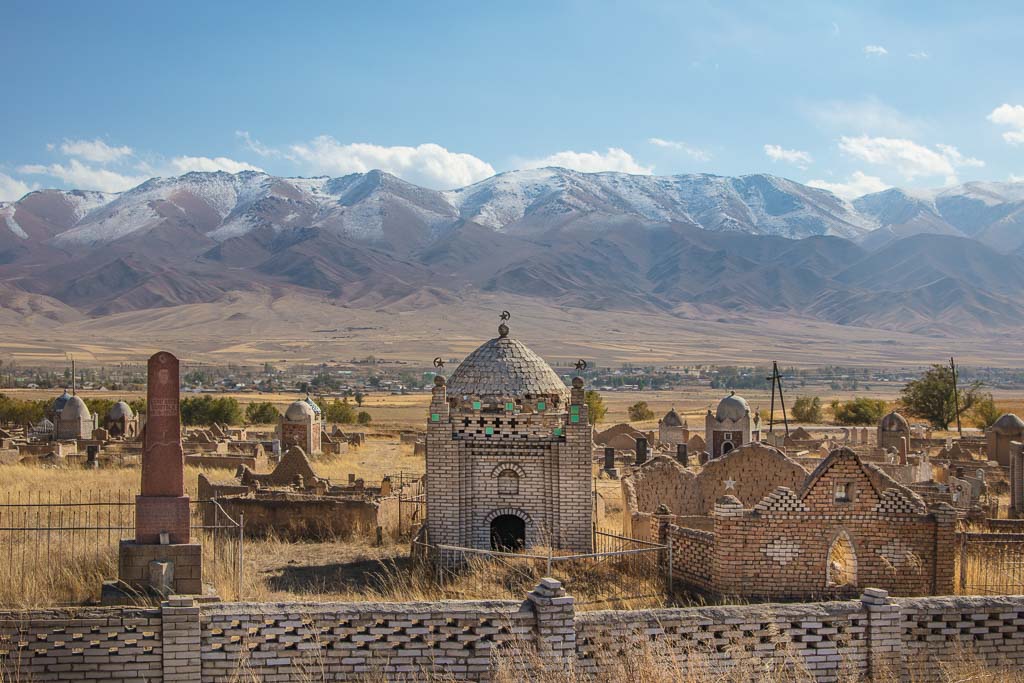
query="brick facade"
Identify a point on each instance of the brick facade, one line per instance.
(781, 548)
(519, 445)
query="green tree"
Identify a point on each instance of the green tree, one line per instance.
(99, 406)
(640, 411)
(20, 411)
(138, 406)
(860, 411)
(985, 413)
(359, 398)
(807, 409)
(206, 410)
(931, 397)
(261, 413)
(595, 406)
(339, 411)
(364, 418)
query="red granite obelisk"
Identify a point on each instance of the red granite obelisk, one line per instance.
(160, 558)
(163, 505)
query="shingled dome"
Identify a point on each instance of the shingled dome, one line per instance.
(75, 408)
(60, 402)
(1008, 424)
(505, 367)
(732, 407)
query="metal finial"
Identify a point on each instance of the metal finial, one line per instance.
(505, 315)
(581, 365)
(439, 362)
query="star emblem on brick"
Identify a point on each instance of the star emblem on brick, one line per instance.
(730, 484)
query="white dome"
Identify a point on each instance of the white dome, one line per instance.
(75, 408)
(299, 411)
(732, 407)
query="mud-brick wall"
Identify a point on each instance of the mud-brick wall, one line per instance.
(313, 519)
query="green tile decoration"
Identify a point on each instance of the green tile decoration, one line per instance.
(476, 405)
(434, 417)
(541, 405)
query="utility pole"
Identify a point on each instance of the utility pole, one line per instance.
(956, 398)
(776, 380)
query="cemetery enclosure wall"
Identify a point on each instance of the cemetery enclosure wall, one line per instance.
(183, 641)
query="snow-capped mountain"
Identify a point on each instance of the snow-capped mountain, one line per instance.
(379, 207)
(599, 240)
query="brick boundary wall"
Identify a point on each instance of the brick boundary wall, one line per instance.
(182, 641)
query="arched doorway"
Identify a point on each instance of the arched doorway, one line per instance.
(508, 532)
(841, 570)
(726, 447)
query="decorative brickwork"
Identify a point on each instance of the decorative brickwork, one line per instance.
(508, 447)
(783, 547)
(874, 637)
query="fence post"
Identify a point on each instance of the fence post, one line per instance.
(241, 552)
(963, 563)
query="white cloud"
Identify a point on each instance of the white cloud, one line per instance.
(427, 164)
(185, 164)
(875, 51)
(792, 156)
(615, 159)
(83, 177)
(690, 151)
(920, 54)
(12, 189)
(254, 145)
(93, 150)
(869, 115)
(1014, 178)
(1011, 115)
(907, 157)
(857, 185)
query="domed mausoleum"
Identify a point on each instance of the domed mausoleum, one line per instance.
(730, 426)
(74, 421)
(1006, 429)
(672, 429)
(301, 426)
(508, 455)
(121, 421)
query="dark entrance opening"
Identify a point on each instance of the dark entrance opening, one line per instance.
(726, 447)
(508, 532)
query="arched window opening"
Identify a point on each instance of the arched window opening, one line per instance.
(841, 570)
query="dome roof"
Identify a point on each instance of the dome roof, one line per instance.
(75, 408)
(1008, 424)
(894, 422)
(119, 410)
(672, 419)
(505, 367)
(732, 407)
(299, 411)
(60, 402)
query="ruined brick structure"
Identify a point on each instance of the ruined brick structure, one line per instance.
(730, 426)
(508, 454)
(673, 429)
(1000, 435)
(301, 426)
(749, 473)
(849, 526)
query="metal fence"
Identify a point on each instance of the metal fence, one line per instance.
(990, 564)
(628, 558)
(43, 534)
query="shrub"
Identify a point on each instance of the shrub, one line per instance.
(640, 411)
(595, 406)
(261, 413)
(860, 411)
(807, 409)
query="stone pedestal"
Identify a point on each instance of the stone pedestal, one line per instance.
(135, 566)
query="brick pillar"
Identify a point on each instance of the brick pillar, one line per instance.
(556, 627)
(884, 636)
(945, 538)
(181, 635)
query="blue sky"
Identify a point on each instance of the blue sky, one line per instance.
(851, 97)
